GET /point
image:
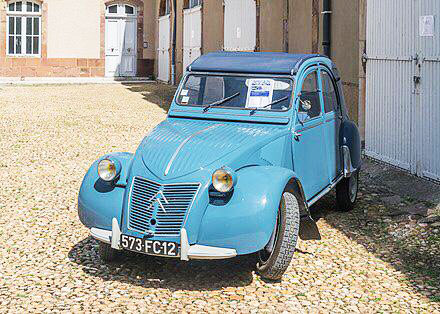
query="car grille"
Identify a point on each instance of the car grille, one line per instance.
(145, 213)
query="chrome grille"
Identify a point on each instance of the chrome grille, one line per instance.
(147, 199)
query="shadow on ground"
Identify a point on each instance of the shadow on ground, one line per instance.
(173, 274)
(156, 93)
(398, 240)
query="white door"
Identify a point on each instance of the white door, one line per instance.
(240, 25)
(120, 41)
(112, 47)
(403, 98)
(429, 118)
(128, 59)
(192, 35)
(163, 50)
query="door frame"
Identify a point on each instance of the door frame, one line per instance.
(122, 16)
(164, 50)
(186, 13)
(335, 115)
(298, 128)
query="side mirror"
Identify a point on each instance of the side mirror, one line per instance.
(306, 105)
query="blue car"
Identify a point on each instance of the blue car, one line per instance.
(250, 142)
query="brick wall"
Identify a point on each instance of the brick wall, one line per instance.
(66, 67)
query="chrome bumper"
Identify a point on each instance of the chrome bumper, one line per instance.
(187, 251)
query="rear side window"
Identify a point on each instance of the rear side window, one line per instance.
(329, 93)
(310, 105)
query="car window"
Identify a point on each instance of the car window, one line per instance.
(193, 88)
(310, 105)
(245, 92)
(329, 93)
(214, 90)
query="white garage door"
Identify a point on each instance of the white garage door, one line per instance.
(240, 25)
(192, 35)
(163, 51)
(403, 94)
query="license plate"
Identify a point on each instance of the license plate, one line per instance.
(146, 246)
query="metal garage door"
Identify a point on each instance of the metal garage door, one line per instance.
(192, 35)
(403, 97)
(240, 25)
(163, 50)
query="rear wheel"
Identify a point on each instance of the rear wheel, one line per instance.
(107, 253)
(274, 259)
(346, 192)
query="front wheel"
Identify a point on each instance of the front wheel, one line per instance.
(346, 192)
(274, 259)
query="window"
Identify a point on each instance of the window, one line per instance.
(237, 92)
(121, 10)
(113, 9)
(129, 10)
(23, 28)
(329, 93)
(310, 105)
(165, 7)
(189, 4)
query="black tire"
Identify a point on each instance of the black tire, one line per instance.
(274, 259)
(107, 253)
(346, 192)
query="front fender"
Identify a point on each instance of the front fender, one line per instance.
(99, 201)
(246, 222)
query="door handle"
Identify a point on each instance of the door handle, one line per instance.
(296, 136)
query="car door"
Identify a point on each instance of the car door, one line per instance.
(332, 123)
(309, 149)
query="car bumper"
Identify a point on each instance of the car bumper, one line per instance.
(187, 251)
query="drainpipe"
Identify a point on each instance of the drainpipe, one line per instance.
(173, 51)
(326, 25)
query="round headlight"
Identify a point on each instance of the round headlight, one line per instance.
(222, 180)
(107, 170)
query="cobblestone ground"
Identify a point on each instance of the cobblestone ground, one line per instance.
(365, 262)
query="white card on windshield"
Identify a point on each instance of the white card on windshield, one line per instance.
(260, 93)
(184, 92)
(185, 99)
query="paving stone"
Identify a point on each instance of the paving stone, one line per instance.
(392, 200)
(48, 263)
(418, 209)
(430, 219)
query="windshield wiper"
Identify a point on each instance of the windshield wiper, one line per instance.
(219, 102)
(268, 105)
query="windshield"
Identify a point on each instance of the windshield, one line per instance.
(237, 92)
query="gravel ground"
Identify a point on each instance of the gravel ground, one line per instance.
(365, 262)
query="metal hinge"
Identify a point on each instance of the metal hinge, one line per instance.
(432, 59)
(416, 58)
(416, 79)
(364, 58)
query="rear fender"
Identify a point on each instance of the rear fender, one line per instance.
(350, 140)
(100, 201)
(247, 221)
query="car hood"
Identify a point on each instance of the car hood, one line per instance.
(177, 147)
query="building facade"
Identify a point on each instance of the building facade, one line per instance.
(84, 38)
(294, 26)
(160, 38)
